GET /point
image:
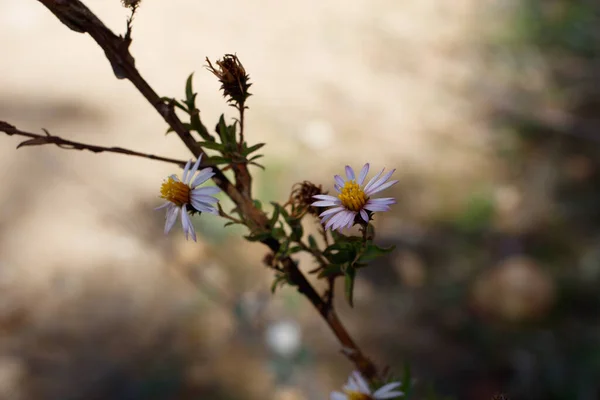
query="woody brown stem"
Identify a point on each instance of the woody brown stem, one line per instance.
(75, 15)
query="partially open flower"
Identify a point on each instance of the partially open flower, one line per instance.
(354, 199)
(233, 78)
(186, 196)
(357, 388)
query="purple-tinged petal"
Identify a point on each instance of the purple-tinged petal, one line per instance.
(204, 175)
(331, 211)
(168, 203)
(203, 206)
(372, 180)
(334, 220)
(363, 174)
(386, 389)
(364, 215)
(379, 188)
(204, 198)
(324, 197)
(171, 218)
(380, 181)
(193, 171)
(326, 203)
(186, 222)
(377, 207)
(339, 180)
(337, 188)
(360, 381)
(206, 190)
(349, 173)
(185, 171)
(383, 200)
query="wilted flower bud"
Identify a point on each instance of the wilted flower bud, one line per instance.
(302, 197)
(132, 4)
(269, 260)
(233, 78)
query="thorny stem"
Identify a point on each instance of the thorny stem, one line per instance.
(75, 15)
(223, 214)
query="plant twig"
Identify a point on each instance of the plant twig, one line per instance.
(79, 18)
(38, 140)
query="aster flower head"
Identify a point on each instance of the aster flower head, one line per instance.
(186, 196)
(354, 199)
(357, 388)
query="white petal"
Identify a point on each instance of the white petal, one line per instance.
(202, 177)
(206, 190)
(372, 180)
(376, 207)
(186, 222)
(324, 197)
(204, 198)
(203, 207)
(386, 388)
(339, 180)
(338, 396)
(383, 200)
(326, 203)
(363, 174)
(379, 188)
(185, 171)
(193, 171)
(331, 210)
(168, 203)
(349, 173)
(334, 220)
(171, 217)
(380, 181)
(361, 382)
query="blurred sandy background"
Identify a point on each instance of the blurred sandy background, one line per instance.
(490, 120)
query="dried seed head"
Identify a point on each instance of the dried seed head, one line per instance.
(301, 198)
(233, 78)
(131, 4)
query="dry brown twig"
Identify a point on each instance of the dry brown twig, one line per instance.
(75, 15)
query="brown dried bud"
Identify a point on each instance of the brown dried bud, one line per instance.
(269, 260)
(233, 78)
(131, 4)
(301, 198)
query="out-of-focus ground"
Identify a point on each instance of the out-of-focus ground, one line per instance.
(488, 110)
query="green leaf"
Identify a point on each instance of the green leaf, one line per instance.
(373, 251)
(295, 249)
(406, 386)
(212, 145)
(297, 229)
(256, 157)
(275, 216)
(349, 285)
(312, 243)
(252, 149)
(256, 237)
(330, 270)
(257, 204)
(216, 160)
(278, 233)
(189, 92)
(199, 127)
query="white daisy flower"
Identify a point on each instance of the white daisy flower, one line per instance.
(186, 196)
(357, 388)
(354, 199)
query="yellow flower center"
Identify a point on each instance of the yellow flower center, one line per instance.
(176, 192)
(353, 197)
(357, 396)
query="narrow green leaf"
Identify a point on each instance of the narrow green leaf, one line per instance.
(257, 204)
(256, 237)
(189, 92)
(212, 145)
(275, 216)
(252, 149)
(312, 243)
(331, 270)
(373, 251)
